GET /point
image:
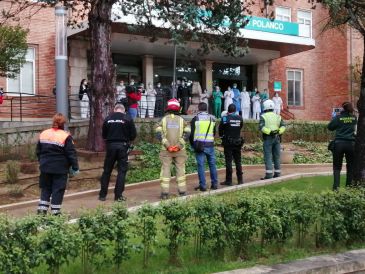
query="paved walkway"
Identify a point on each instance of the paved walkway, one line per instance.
(150, 191)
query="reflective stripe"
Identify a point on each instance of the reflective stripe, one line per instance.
(277, 170)
(43, 208)
(182, 178)
(53, 136)
(268, 171)
(44, 202)
(55, 206)
(165, 179)
(55, 211)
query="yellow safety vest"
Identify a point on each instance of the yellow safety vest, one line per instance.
(272, 123)
(202, 126)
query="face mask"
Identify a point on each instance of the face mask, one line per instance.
(158, 85)
(132, 82)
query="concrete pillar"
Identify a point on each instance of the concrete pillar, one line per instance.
(147, 69)
(78, 68)
(263, 76)
(208, 76)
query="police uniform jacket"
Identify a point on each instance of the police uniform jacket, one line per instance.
(119, 128)
(56, 152)
(345, 125)
(230, 127)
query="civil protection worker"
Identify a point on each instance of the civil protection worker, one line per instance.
(202, 140)
(57, 157)
(172, 130)
(230, 131)
(118, 131)
(272, 127)
(345, 126)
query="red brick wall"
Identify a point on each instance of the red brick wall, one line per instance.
(325, 68)
(41, 36)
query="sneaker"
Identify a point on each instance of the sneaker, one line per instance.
(226, 183)
(164, 196)
(200, 188)
(103, 199)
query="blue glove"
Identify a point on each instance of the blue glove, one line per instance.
(73, 172)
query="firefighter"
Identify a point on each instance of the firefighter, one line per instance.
(57, 157)
(118, 131)
(230, 132)
(344, 144)
(272, 127)
(173, 129)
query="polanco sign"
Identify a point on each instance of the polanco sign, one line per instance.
(274, 26)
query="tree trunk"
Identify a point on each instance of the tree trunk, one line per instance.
(102, 69)
(359, 168)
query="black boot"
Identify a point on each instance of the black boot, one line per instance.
(336, 179)
(239, 180)
(277, 174)
(267, 176)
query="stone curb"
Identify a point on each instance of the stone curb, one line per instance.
(349, 262)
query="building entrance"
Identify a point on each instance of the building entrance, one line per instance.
(225, 75)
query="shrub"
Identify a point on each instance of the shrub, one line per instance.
(12, 172)
(15, 191)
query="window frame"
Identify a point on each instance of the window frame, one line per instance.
(294, 70)
(311, 20)
(18, 94)
(283, 7)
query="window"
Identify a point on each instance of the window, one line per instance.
(283, 14)
(305, 23)
(24, 82)
(295, 87)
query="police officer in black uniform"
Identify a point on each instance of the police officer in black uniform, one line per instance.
(184, 96)
(118, 131)
(344, 143)
(230, 131)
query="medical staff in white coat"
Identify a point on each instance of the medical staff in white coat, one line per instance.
(245, 104)
(278, 107)
(143, 102)
(151, 100)
(256, 106)
(228, 98)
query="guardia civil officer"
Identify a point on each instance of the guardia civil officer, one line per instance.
(57, 157)
(272, 127)
(345, 125)
(118, 131)
(230, 132)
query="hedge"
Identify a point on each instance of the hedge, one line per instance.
(228, 225)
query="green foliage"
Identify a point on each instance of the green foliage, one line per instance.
(147, 229)
(13, 47)
(12, 172)
(318, 153)
(177, 226)
(59, 242)
(96, 228)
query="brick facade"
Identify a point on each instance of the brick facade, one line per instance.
(326, 70)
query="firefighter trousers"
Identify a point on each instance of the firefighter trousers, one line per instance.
(168, 159)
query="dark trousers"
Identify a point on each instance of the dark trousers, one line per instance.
(272, 154)
(347, 149)
(233, 152)
(185, 105)
(53, 188)
(115, 152)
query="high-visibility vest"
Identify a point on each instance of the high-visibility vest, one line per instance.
(54, 136)
(272, 123)
(201, 128)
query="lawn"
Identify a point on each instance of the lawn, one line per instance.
(308, 184)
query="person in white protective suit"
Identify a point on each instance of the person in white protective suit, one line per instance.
(256, 106)
(228, 98)
(278, 102)
(245, 104)
(151, 100)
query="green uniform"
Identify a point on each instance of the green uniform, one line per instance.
(217, 103)
(172, 129)
(272, 126)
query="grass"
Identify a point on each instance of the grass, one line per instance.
(316, 184)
